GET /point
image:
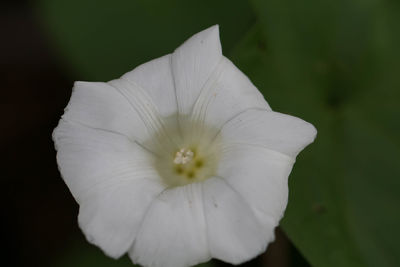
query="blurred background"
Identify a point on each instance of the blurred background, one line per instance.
(335, 64)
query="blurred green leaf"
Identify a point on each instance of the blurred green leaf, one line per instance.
(101, 40)
(333, 63)
(315, 213)
(336, 65)
(80, 253)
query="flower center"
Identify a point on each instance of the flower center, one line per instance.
(185, 154)
(189, 166)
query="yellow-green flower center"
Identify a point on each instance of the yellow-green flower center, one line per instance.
(187, 153)
(189, 165)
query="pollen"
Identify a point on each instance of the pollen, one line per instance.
(183, 156)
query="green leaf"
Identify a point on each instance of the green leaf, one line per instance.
(79, 253)
(336, 65)
(101, 40)
(333, 63)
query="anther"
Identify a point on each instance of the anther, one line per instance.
(183, 156)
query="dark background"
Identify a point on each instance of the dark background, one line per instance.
(39, 225)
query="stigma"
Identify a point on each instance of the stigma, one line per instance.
(183, 156)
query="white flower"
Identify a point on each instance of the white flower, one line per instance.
(180, 160)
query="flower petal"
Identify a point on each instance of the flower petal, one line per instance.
(279, 132)
(260, 176)
(234, 233)
(227, 93)
(173, 233)
(140, 100)
(147, 110)
(111, 216)
(98, 105)
(155, 77)
(112, 180)
(259, 150)
(192, 64)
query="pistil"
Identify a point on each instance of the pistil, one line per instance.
(183, 156)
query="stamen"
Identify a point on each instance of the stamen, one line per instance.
(183, 156)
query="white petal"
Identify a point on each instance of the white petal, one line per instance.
(111, 216)
(98, 105)
(192, 64)
(173, 233)
(273, 130)
(260, 176)
(155, 77)
(155, 124)
(234, 233)
(227, 93)
(140, 100)
(112, 180)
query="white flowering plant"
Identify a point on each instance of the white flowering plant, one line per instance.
(180, 160)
